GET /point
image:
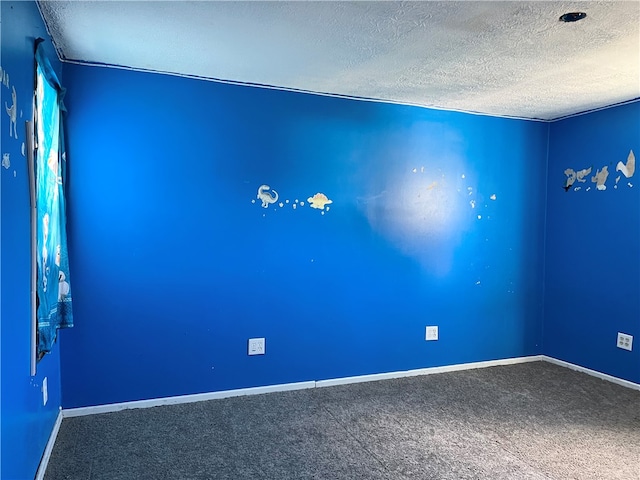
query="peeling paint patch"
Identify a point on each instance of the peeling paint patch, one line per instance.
(472, 203)
(630, 184)
(22, 149)
(577, 188)
(493, 197)
(629, 168)
(415, 170)
(6, 160)
(618, 179)
(600, 178)
(479, 217)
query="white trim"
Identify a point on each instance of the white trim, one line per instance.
(198, 397)
(593, 373)
(44, 461)
(425, 371)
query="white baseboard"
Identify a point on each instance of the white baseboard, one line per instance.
(593, 373)
(199, 397)
(425, 371)
(44, 461)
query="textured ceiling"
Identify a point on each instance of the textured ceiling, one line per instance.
(499, 58)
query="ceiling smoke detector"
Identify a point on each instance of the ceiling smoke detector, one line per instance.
(572, 17)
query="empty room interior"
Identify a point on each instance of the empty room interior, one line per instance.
(328, 240)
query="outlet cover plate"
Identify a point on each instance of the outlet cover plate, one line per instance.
(625, 341)
(431, 333)
(256, 346)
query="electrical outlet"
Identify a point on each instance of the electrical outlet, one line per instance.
(431, 333)
(45, 392)
(625, 341)
(256, 346)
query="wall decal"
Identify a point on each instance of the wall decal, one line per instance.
(6, 161)
(629, 168)
(12, 112)
(573, 176)
(264, 195)
(319, 200)
(600, 178)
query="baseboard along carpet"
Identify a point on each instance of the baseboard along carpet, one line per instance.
(533, 421)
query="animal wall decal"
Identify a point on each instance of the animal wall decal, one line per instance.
(265, 196)
(12, 111)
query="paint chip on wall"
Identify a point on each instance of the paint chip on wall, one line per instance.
(6, 161)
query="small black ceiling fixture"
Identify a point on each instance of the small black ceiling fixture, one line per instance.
(572, 16)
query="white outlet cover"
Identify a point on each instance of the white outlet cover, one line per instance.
(256, 346)
(625, 341)
(431, 333)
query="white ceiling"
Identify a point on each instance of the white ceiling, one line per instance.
(499, 58)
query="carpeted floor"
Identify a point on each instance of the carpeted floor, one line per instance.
(533, 421)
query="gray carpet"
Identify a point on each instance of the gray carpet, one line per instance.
(534, 421)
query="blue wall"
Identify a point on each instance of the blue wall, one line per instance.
(176, 264)
(26, 423)
(593, 244)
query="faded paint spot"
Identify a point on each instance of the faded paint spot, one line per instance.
(629, 168)
(253, 201)
(15, 174)
(493, 197)
(432, 185)
(600, 178)
(462, 176)
(6, 161)
(415, 170)
(421, 169)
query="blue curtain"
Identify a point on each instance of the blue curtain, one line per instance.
(53, 294)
